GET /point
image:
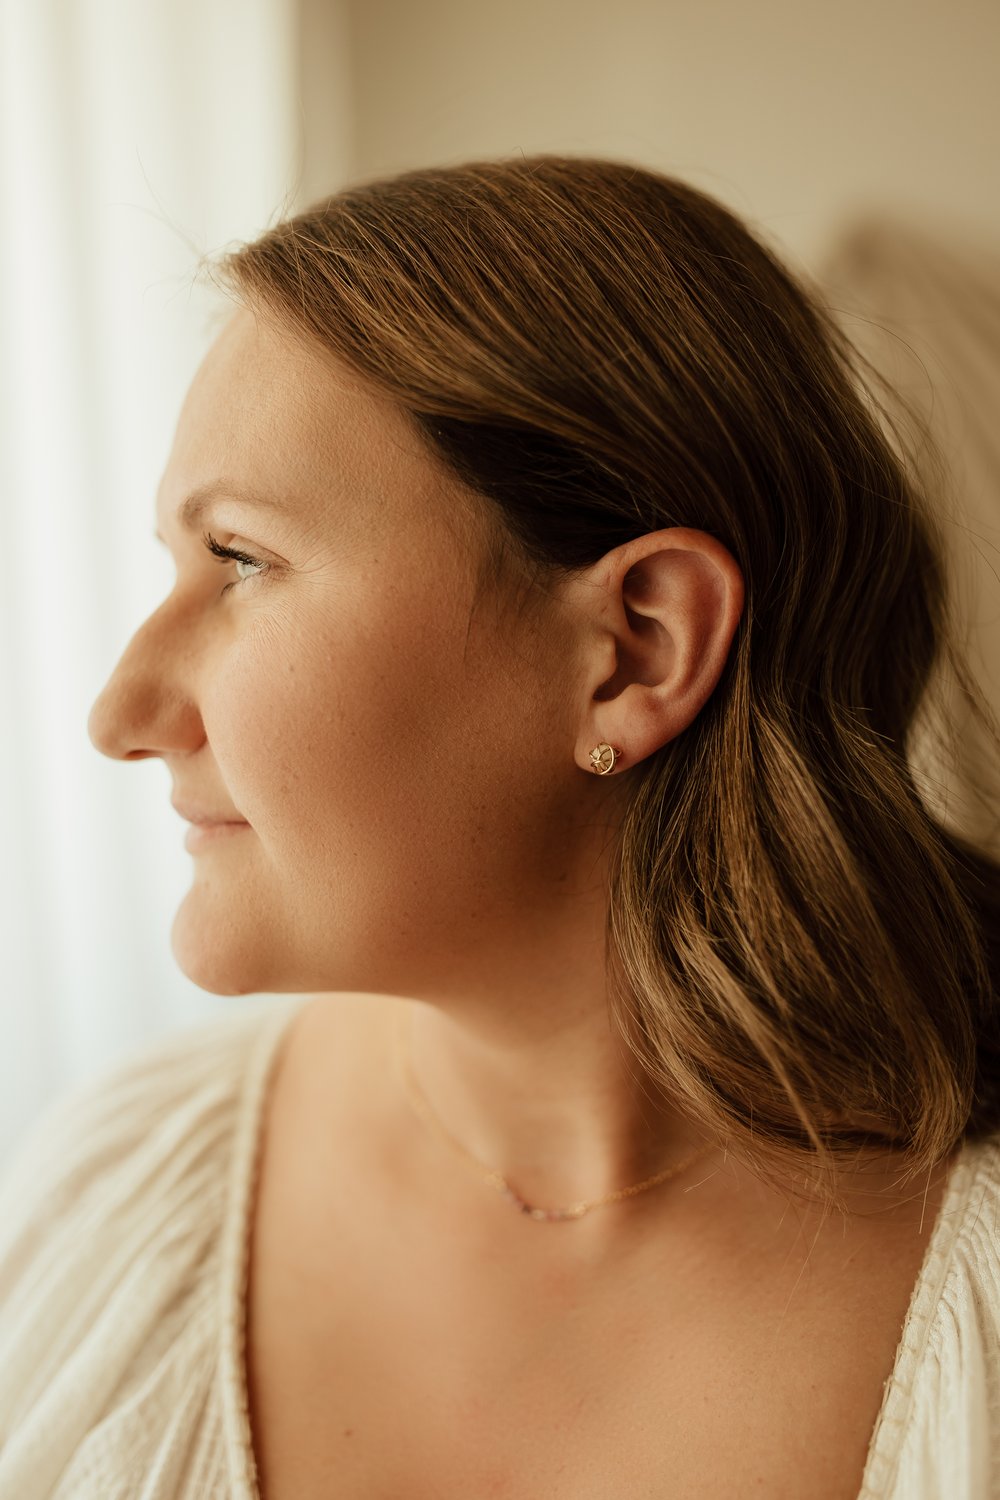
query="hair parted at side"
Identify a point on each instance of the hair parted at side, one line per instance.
(800, 952)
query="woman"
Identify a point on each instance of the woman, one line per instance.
(634, 1131)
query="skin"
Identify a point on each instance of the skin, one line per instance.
(425, 833)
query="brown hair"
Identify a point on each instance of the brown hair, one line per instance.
(801, 954)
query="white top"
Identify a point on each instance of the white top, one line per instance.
(123, 1236)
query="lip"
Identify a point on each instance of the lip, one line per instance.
(199, 816)
(207, 833)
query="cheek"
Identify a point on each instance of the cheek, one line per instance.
(396, 780)
(332, 727)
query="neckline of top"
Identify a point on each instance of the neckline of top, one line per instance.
(235, 1264)
(885, 1446)
(886, 1439)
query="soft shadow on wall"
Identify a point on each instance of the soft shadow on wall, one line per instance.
(925, 309)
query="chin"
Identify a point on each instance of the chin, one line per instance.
(208, 962)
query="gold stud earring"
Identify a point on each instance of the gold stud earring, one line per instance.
(603, 758)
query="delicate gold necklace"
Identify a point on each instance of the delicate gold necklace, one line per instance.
(495, 1179)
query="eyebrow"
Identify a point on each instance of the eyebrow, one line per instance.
(190, 511)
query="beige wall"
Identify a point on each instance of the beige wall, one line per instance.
(793, 113)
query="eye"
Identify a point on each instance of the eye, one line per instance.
(231, 554)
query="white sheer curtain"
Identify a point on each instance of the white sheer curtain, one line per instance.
(135, 135)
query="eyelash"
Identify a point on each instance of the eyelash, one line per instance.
(230, 554)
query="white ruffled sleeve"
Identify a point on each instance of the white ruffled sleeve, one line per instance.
(109, 1247)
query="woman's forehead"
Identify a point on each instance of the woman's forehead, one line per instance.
(266, 387)
(271, 418)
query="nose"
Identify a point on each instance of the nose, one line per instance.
(143, 709)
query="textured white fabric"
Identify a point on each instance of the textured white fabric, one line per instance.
(122, 1280)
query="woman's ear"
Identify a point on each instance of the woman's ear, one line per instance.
(657, 630)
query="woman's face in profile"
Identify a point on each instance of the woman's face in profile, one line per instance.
(406, 772)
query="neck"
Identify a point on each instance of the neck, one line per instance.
(561, 1120)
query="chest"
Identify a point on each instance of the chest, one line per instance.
(399, 1364)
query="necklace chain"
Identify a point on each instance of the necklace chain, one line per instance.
(575, 1210)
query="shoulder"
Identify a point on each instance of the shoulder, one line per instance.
(139, 1108)
(944, 1401)
(110, 1211)
(957, 1340)
(976, 1260)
